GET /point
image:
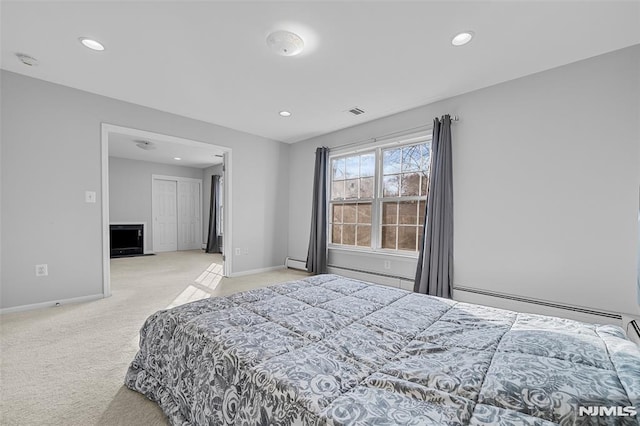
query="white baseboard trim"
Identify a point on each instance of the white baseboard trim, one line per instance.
(256, 271)
(51, 304)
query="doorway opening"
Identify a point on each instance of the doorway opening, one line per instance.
(162, 185)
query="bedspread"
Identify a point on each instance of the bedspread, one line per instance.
(327, 350)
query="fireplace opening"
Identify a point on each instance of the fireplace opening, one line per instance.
(127, 240)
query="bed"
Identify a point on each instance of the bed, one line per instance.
(328, 350)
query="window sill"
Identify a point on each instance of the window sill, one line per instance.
(371, 252)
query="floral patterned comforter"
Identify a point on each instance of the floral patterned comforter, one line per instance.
(328, 350)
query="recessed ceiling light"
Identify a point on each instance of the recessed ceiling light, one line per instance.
(285, 43)
(177, 158)
(91, 44)
(462, 38)
(284, 114)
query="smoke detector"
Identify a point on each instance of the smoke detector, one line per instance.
(27, 60)
(146, 145)
(285, 43)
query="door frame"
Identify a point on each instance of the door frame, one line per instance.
(177, 179)
(106, 129)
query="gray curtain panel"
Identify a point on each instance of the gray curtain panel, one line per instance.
(214, 243)
(434, 275)
(317, 254)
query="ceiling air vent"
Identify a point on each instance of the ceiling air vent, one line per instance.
(356, 111)
(146, 145)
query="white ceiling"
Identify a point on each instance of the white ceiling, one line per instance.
(209, 60)
(197, 155)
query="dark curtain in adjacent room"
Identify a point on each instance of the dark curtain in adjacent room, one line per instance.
(434, 275)
(317, 254)
(213, 240)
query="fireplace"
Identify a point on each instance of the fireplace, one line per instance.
(127, 240)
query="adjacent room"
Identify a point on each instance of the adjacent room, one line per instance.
(320, 213)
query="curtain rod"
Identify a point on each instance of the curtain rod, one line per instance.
(388, 135)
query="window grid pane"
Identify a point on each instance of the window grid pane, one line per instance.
(336, 215)
(336, 234)
(366, 187)
(389, 237)
(363, 235)
(338, 169)
(391, 186)
(407, 237)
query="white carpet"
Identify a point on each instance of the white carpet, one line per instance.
(66, 365)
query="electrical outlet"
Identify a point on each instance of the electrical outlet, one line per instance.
(238, 252)
(89, 196)
(42, 270)
(246, 251)
(387, 264)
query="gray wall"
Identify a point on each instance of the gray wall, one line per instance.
(130, 190)
(545, 184)
(51, 156)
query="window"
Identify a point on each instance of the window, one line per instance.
(378, 197)
(352, 195)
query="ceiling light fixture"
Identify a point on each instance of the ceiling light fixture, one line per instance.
(284, 114)
(27, 60)
(285, 43)
(91, 44)
(177, 158)
(462, 38)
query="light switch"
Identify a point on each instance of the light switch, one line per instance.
(90, 196)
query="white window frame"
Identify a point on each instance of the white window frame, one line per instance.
(376, 203)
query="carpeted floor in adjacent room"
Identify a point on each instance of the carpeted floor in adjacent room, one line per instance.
(66, 365)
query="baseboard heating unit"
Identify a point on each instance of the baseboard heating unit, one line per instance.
(374, 277)
(361, 271)
(633, 324)
(482, 297)
(295, 264)
(538, 302)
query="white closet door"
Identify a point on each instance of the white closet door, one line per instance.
(165, 222)
(189, 216)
